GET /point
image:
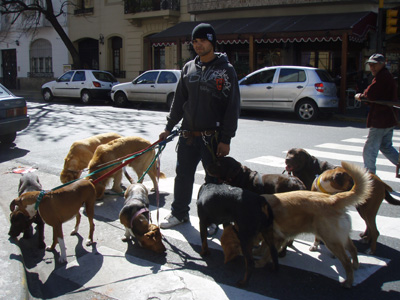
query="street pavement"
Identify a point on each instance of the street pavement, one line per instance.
(102, 272)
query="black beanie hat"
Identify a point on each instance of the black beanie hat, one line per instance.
(205, 31)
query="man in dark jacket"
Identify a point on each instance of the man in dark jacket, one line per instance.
(381, 119)
(207, 100)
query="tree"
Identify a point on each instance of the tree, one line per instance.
(34, 9)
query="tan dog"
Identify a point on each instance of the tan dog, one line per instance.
(323, 215)
(337, 180)
(119, 148)
(230, 243)
(57, 207)
(80, 154)
(135, 215)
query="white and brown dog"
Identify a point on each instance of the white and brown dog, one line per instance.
(80, 153)
(135, 216)
(57, 207)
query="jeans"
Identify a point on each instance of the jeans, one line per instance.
(190, 152)
(379, 139)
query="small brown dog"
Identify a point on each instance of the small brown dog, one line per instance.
(337, 180)
(120, 148)
(323, 215)
(80, 154)
(57, 207)
(135, 215)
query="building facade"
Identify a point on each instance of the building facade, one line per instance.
(130, 36)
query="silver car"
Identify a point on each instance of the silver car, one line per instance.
(82, 84)
(151, 86)
(304, 90)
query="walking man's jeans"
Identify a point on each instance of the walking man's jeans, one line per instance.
(379, 139)
(190, 152)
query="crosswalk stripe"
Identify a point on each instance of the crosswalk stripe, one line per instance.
(362, 141)
(341, 147)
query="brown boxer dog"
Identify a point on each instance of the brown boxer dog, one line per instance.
(135, 216)
(57, 207)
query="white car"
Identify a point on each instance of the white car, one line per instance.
(151, 86)
(304, 90)
(82, 84)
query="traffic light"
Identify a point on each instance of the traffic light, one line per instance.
(392, 22)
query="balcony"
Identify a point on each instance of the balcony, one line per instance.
(137, 10)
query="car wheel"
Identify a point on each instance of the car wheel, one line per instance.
(47, 95)
(170, 99)
(120, 99)
(8, 138)
(86, 98)
(307, 110)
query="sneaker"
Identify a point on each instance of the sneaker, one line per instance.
(171, 221)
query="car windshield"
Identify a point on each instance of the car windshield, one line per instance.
(106, 77)
(324, 76)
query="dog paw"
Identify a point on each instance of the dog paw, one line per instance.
(204, 253)
(346, 284)
(62, 260)
(89, 242)
(74, 232)
(369, 252)
(48, 248)
(313, 248)
(125, 239)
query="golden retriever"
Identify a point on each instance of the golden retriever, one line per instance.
(117, 149)
(80, 154)
(323, 215)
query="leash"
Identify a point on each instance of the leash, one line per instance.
(394, 104)
(124, 163)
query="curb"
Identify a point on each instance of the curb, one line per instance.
(14, 285)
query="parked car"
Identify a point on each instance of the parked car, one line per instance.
(151, 86)
(83, 84)
(304, 90)
(13, 115)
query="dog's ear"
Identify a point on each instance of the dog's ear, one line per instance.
(13, 204)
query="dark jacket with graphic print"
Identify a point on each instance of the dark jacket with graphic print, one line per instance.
(382, 88)
(207, 97)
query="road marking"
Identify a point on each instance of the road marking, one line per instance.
(362, 141)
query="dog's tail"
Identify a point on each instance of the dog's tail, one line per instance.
(130, 179)
(361, 190)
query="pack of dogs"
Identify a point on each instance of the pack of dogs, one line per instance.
(261, 213)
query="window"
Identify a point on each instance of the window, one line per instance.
(41, 57)
(167, 77)
(66, 77)
(147, 78)
(292, 75)
(79, 76)
(116, 43)
(262, 77)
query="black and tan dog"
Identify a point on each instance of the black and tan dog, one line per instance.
(135, 217)
(223, 204)
(232, 172)
(307, 167)
(324, 215)
(338, 180)
(57, 207)
(20, 222)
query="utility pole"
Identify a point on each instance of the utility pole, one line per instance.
(379, 38)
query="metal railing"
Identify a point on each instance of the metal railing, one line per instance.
(136, 6)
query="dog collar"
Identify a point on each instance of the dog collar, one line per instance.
(324, 187)
(139, 212)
